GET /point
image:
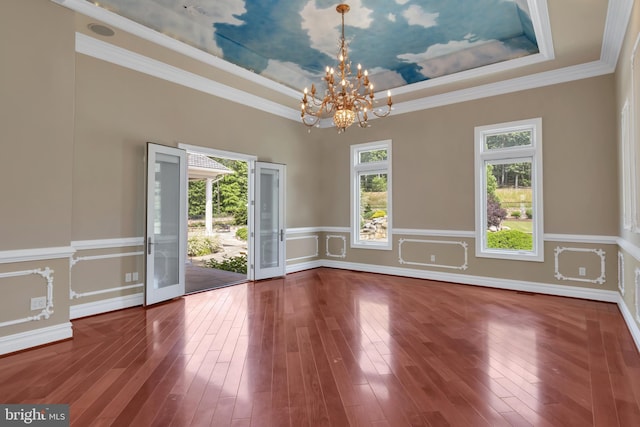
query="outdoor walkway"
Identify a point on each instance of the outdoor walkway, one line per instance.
(204, 278)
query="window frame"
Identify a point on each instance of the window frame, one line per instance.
(532, 153)
(357, 168)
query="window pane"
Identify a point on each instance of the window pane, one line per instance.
(373, 156)
(373, 206)
(509, 206)
(509, 139)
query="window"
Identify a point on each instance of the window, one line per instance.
(508, 167)
(371, 195)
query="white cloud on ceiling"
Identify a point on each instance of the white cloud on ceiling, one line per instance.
(291, 74)
(192, 24)
(401, 2)
(323, 25)
(391, 17)
(461, 55)
(415, 15)
(383, 78)
(218, 11)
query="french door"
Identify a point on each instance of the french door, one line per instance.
(269, 225)
(166, 227)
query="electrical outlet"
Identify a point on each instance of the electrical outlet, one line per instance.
(433, 258)
(135, 276)
(38, 303)
(582, 271)
(127, 277)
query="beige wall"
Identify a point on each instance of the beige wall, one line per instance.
(74, 131)
(433, 182)
(119, 110)
(36, 128)
(36, 114)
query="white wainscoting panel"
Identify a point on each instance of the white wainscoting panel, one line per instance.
(47, 275)
(599, 252)
(343, 250)
(313, 255)
(463, 263)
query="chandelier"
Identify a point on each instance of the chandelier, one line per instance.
(347, 98)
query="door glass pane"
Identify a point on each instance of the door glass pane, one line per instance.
(166, 220)
(509, 206)
(373, 207)
(269, 216)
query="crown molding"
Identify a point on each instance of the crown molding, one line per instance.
(116, 55)
(145, 33)
(618, 15)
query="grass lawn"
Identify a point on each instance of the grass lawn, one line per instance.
(525, 226)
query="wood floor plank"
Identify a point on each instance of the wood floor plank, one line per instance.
(338, 348)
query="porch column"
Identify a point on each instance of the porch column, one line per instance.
(208, 212)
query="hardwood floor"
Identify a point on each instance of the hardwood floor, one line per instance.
(337, 348)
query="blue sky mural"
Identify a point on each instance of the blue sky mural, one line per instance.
(400, 42)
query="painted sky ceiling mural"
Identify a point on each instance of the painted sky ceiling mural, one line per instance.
(291, 42)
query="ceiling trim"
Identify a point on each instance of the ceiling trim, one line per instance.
(618, 15)
(89, 9)
(537, 8)
(116, 55)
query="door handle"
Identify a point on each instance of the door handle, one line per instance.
(149, 243)
(281, 235)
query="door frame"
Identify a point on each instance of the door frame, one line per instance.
(280, 233)
(151, 294)
(251, 160)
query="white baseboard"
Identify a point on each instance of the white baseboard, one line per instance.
(634, 330)
(515, 285)
(104, 306)
(301, 266)
(34, 338)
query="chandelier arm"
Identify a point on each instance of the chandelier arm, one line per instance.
(348, 99)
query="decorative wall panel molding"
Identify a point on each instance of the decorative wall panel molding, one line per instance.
(434, 233)
(343, 249)
(104, 244)
(637, 296)
(599, 252)
(76, 295)
(37, 254)
(581, 238)
(303, 230)
(621, 272)
(304, 256)
(462, 266)
(47, 275)
(83, 245)
(631, 248)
